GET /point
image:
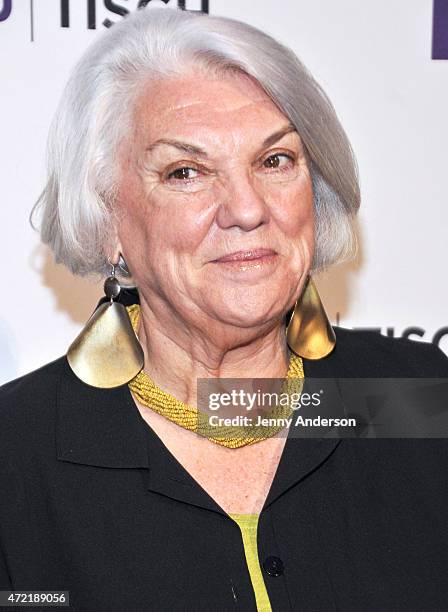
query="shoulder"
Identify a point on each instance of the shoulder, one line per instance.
(28, 403)
(36, 385)
(370, 354)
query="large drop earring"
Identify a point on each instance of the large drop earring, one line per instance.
(107, 352)
(309, 333)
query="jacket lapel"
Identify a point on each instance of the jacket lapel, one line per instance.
(103, 428)
(98, 426)
(302, 455)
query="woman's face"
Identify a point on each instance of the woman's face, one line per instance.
(215, 201)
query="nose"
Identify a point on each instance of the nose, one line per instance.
(242, 204)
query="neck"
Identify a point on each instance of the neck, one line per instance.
(177, 354)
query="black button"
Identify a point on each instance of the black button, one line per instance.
(274, 566)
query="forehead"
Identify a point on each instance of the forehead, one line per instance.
(181, 106)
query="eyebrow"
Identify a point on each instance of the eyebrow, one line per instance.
(198, 152)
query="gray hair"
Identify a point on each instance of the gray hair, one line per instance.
(95, 114)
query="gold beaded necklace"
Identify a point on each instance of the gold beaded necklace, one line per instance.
(189, 417)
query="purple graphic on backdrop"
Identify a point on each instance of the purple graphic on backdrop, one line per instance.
(5, 11)
(440, 30)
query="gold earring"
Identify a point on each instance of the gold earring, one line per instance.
(107, 352)
(309, 333)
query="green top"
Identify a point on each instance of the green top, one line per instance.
(248, 524)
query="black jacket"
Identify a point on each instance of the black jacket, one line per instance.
(92, 502)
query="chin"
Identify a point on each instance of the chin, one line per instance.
(251, 313)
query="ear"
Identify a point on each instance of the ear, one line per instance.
(115, 248)
(115, 256)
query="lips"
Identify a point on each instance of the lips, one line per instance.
(248, 255)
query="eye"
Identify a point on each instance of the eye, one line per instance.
(183, 174)
(278, 160)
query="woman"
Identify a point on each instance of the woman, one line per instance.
(195, 158)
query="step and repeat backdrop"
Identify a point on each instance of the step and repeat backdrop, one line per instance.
(384, 64)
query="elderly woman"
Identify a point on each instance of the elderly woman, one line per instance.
(196, 159)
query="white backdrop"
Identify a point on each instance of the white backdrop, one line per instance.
(374, 60)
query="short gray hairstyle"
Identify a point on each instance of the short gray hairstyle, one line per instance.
(95, 112)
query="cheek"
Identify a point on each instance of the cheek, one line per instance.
(178, 224)
(160, 226)
(294, 210)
